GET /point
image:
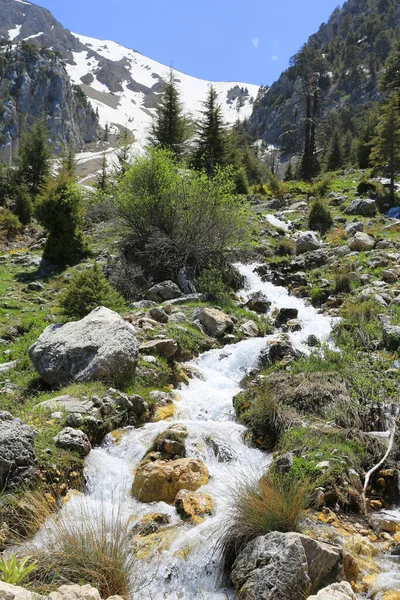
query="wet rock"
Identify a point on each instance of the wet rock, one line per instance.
(285, 315)
(313, 341)
(158, 314)
(222, 452)
(336, 591)
(258, 302)
(164, 348)
(151, 523)
(73, 439)
(215, 322)
(17, 452)
(160, 481)
(306, 242)
(364, 207)
(382, 523)
(100, 346)
(361, 242)
(282, 348)
(166, 290)
(191, 506)
(285, 566)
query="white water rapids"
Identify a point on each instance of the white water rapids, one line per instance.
(188, 568)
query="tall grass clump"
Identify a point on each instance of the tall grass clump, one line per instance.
(14, 570)
(274, 503)
(93, 548)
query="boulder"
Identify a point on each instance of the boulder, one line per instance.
(353, 228)
(249, 329)
(166, 290)
(160, 481)
(284, 463)
(280, 348)
(364, 207)
(361, 242)
(222, 451)
(158, 314)
(336, 591)
(75, 592)
(284, 566)
(100, 346)
(258, 302)
(191, 506)
(17, 451)
(306, 242)
(13, 592)
(73, 439)
(215, 322)
(164, 348)
(285, 315)
(178, 317)
(391, 336)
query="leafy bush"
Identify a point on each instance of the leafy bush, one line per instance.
(366, 187)
(274, 503)
(211, 283)
(9, 223)
(278, 188)
(23, 204)
(321, 188)
(59, 210)
(319, 218)
(14, 570)
(87, 290)
(176, 218)
(342, 283)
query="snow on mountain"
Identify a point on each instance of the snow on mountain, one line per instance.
(126, 94)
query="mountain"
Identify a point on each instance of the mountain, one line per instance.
(348, 53)
(121, 84)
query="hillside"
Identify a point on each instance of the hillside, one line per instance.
(347, 53)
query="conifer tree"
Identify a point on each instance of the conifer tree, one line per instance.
(68, 162)
(211, 142)
(169, 128)
(385, 152)
(102, 179)
(289, 175)
(34, 158)
(123, 154)
(335, 155)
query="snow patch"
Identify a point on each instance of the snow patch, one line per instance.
(23, 2)
(35, 35)
(13, 33)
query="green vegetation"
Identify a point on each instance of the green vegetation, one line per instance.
(14, 570)
(320, 218)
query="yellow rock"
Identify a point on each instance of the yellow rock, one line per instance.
(145, 548)
(350, 564)
(160, 481)
(392, 595)
(164, 412)
(190, 506)
(396, 537)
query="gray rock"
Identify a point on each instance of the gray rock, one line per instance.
(249, 328)
(306, 242)
(391, 336)
(143, 304)
(73, 439)
(284, 463)
(353, 228)
(17, 452)
(284, 566)
(313, 341)
(163, 347)
(361, 242)
(215, 322)
(158, 314)
(258, 302)
(178, 317)
(100, 346)
(76, 592)
(281, 348)
(166, 290)
(186, 285)
(364, 207)
(36, 286)
(222, 452)
(285, 315)
(336, 591)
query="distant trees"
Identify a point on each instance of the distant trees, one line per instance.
(169, 129)
(385, 152)
(34, 157)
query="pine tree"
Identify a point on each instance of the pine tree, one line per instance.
(102, 179)
(289, 175)
(385, 152)
(335, 155)
(68, 162)
(34, 158)
(123, 154)
(211, 142)
(169, 128)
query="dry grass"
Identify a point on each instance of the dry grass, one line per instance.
(84, 547)
(25, 514)
(274, 503)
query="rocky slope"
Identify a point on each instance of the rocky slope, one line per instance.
(121, 83)
(351, 48)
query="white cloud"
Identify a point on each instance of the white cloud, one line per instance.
(256, 42)
(274, 57)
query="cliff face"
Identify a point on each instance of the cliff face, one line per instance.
(35, 84)
(351, 49)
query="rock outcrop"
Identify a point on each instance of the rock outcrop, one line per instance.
(215, 322)
(17, 451)
(100, 346)
(306, 242)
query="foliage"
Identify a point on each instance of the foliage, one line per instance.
(87, 290)
(23, 204)
(14, 570)
(320, 218)
(342, 283)
(174, 219)
(59, 210)
(335, 156)
(211, 283)
(285, 247)
(366, 187)
(211, 142)
(34, 158)
(9, 223)
(169, 129)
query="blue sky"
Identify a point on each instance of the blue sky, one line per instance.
(221, 40)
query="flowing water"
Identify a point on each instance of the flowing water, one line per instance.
(186, 565)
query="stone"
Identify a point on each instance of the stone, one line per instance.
(284, 566)
(249, 329)
(192, 505)
(258, 302)
(353, 228)
(73, 439)
(102, 345)
(13, 592)
(166, 290)
(336, 591)
(282, 348)
(149, 524)
(17, 452)
(215, 322)
(158, 314)
(75, 592)
(285, 315)
(361, 242)
(389, 276)
(178, 317)
(306, 242)
(284, 463)
(391, 336)
(313, 341)
(382, 523)
(164, 348)
(364, 207)
(160, 481)
(222, 451)
(35, 286)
